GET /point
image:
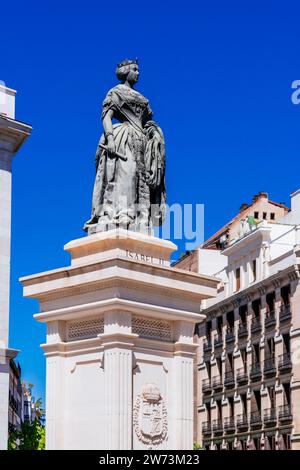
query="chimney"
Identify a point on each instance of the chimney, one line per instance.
(243, 207)
(295, 202)
(7, 101)
(262, 194)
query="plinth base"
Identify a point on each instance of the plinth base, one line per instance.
(120, 324)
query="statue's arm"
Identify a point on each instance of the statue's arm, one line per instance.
(109, 133)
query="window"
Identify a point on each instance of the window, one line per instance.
(244, 358)
(271, 391)
(238, 278)
(208, 369)
(243, 313)
(230, 320)
(270, 299)
(244, 403)
(208, 328)
(272, 216)
(264, 215)
(287, 441)
(285, 294)
(219, 324)
(256, 215)
(256, 304)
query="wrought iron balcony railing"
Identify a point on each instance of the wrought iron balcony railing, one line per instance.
(255, 419)
(270, 319)
(255, 325)
(217, 426)
(269, 366)
(242, 422)
(230, 334)
(207, 346)
(206, 386)
(285, 413)
(284, 362)
(241, 376)
(243, 330)
(270, 417)
(285, 312)
(206, 428)
(255, 372)
(229, 425)
(217, 383)
(229, 379)
(218, 341)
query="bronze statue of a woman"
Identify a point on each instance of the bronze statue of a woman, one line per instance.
(129, 190)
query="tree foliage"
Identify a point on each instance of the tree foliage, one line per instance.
(31, 436)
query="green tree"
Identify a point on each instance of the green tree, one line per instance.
(31, 436)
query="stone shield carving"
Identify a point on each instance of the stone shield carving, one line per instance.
(150, 416)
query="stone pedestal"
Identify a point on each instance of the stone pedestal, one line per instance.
(12, 136)
(120, 324)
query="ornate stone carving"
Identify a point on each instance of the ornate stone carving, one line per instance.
(152, 329)
(84, 329)
(150, 420)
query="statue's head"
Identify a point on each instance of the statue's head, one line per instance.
(128, 70)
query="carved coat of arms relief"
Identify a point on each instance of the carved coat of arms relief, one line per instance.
(150, 416)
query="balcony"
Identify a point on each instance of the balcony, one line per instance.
(207, 346)
(229, 425)
(285, 414)
(217, 383)
(230, 335)
(269, 367)
(285, 312)
(243, 330)
(255, 325)
(206, 386)
(229, 379)
(241, 376)
(255, 372)
(284, 363)
(255, 419)
(218, 341)
(217, 426)
(270, 417)
(206, 428)
(242, 422)
(270, 319)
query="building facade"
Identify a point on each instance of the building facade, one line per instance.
(12, 135)
(22, 406)
(16, 401)
(248, 381)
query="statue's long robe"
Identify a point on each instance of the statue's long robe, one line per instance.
(126, 187)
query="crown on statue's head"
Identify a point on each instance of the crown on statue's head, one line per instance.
(128, 62)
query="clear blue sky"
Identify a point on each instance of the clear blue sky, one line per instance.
(218, 76)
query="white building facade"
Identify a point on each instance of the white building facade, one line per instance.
(12, 135)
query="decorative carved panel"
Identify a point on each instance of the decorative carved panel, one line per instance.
(84, 329)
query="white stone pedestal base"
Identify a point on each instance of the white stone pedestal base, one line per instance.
(120, 324)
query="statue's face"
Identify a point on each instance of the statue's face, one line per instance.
(133, 74)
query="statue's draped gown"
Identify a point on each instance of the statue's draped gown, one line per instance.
(129, 183)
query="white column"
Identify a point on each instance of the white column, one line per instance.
(12, 135)
(55, 386)
(5, 227)
(183, 396)
(118, 397)
(55, 403)
(5, 230)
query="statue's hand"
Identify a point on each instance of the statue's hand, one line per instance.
(111, 147)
